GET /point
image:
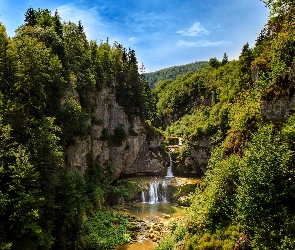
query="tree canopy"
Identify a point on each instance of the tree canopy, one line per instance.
(48, 72)
(247, 198)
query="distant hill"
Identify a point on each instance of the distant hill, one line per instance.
(172, 72)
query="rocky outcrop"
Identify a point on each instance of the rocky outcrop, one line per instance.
(195, 159)
(278, 101)
(136, 154)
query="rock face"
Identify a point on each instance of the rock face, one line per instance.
(278, 101)
(199, 156)
(196, 159)
(136, 154)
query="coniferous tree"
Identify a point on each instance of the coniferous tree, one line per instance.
(30, 17)
(3, 57)
(80, 27)
(58, 24)
(224, 59)
(245, 60)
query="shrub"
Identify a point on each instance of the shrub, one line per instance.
(170, 241)
(104, 231)
(265, 197)
(119, 135)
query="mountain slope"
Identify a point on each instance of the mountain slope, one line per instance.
(172, 72)
(247, 197)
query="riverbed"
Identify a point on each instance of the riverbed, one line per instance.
(151, 223)
(155, 208)
(144, 245)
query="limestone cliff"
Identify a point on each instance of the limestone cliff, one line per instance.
(278, 101)
(197, 160)
(136, 154)
(192, 158)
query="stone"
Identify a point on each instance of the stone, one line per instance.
(278, 101)
(137, 155)
(184, 201)
(196, 161)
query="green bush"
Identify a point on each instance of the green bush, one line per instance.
(119, 136)
(265, 197)
(223, 239)
(105, 134)
(128, 190)
(104, 231)
(169, 242)
(74, 120)
(96, 121)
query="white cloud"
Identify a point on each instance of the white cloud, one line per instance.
(195, 30)
(74, 14)
(131, 39)
(140, 22)
(89, 17)
(203, 43)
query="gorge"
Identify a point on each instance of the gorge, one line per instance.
(92, 157)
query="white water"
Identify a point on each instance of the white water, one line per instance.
(143, 196)
(153, 192)
(169, 169)
(158, 191)
(164, 191)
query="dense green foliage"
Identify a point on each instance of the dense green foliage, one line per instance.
(104, 231)
(172, 72)
(248, 192)
(50, 75)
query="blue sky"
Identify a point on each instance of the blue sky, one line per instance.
(163, 33)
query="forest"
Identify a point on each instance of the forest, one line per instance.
(247, 196)
(171, 73)
(44, 203)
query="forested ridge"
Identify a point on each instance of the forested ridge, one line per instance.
(172, 72)
(49, 75)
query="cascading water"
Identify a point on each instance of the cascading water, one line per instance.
(153, 192)
(143, 196)
(164, 191)
(169, 169)
(158, 191)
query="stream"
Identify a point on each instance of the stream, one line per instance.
(154, 208)
(150, 223)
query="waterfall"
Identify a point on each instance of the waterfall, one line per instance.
(153, 192)
(158, 191)
(169, 169)
(164, 191)
(142, 196)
